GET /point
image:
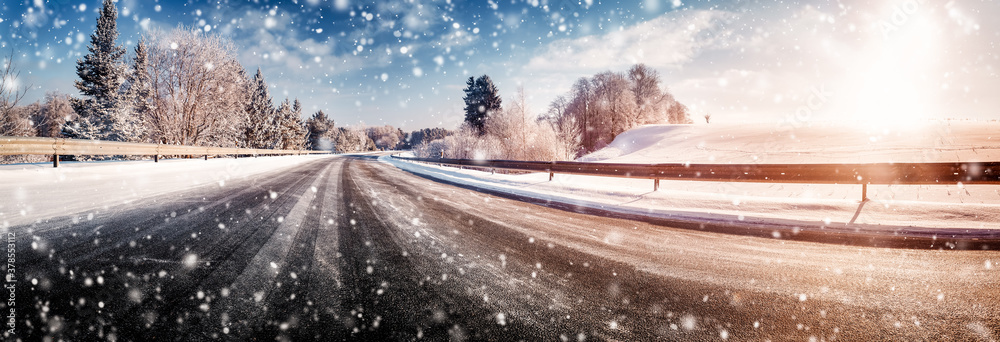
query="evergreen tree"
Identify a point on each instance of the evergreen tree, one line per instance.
(140, 87)
(291, 132)
(425, 135)
(472, 99)
(103, 113)
(297, 127)
(258, 124)
(481, 99)
(318, 129)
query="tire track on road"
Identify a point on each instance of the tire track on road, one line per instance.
(391, 292)
(147, 287)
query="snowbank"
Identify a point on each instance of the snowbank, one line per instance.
(36, 191)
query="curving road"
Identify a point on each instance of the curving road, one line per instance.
(348, 248)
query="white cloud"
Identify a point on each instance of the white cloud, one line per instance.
(414, 15)
(283, 49)
(455, 38)
(35, 17)
(668, 41)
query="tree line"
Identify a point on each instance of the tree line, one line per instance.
(182, 87)
(589, 117)
(186, 87)
(179, 87)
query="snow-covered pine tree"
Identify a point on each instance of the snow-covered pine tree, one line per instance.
(352, 140)
(102, 72)
(281, 121)
(318, 130)
(472, 98)
(291, 132)
(140, 88)
(297, 127)
(481, 98)
(491, 94)
(258, 127)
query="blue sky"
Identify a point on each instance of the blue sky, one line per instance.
(404, 62)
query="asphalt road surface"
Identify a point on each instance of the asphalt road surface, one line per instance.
(348, 248)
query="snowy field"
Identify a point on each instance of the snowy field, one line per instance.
(927, 208)
(932, 141)
(36, 191)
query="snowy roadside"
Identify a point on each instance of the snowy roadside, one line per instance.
(30, 192)
(935, 209)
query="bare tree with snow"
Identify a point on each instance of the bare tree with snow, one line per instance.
(616, 106)
(582, 108)
(386, 137)
(599, 108)
(54, 113)
(649, 99)
(566, 129)
(199, 86)
(10, 94)
(352, 139)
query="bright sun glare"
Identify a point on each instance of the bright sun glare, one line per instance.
(893, 88)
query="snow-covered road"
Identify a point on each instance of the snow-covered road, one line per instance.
(352, 248)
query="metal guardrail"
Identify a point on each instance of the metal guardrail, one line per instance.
(61, 146)
(863, 174)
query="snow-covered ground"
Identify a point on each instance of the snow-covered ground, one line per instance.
(915, 207)
(34, 191)
(932, 141)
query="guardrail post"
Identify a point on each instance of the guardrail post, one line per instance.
(864, 192)
(55, 160)
(656, 184)
(206, 157)
(551, 174)
(156, 158)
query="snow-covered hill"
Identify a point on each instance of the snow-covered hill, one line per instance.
(943, 141)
